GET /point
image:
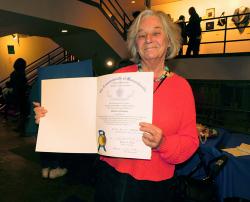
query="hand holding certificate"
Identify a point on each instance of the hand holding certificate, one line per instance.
(97, 115)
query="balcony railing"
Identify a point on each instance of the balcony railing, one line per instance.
(223, 39)
(215, 39)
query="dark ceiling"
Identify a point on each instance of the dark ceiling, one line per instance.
(11, 23)
(77, 41)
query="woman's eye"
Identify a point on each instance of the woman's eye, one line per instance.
(156, 33)
(141, 36)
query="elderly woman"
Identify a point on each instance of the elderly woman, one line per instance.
(152, 39)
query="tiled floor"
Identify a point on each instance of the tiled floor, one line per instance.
(20, 173)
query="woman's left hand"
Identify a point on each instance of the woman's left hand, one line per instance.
(152, 135)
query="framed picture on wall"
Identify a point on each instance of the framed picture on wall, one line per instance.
(11, 49)
(210, 12)
(210, 25)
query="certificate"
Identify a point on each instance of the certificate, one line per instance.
(97, 115)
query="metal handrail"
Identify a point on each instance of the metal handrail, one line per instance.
(30, 66)
(121, 21)
(225, 30)
(115, 14)
(56, 56)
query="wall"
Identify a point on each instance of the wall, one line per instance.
(201, 5)
(25, 48)
(72, 12)
(213, 68)
(175, 9)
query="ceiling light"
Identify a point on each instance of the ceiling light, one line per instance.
(109, 63)
(132, 2)
(64, 31)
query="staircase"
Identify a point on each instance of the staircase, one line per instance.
(94, 33)
(90, 43)
(114, 13)
(56, 56)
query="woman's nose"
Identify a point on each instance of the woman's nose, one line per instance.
(148, 38)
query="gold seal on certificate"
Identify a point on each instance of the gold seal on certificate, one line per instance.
(101, 140)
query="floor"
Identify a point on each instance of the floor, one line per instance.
(20, 172)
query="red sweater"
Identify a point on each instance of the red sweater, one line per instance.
(174, 113)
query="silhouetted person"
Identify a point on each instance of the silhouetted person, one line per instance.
(193, 32)
(18, 82)
(135, 14)
(127, 26)
(181, 22)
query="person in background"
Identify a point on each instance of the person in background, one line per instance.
(19, 84)
(181, 22)
(152, 39)
(53, 165)
(135, 14)
(193, 32)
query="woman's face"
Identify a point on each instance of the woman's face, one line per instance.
(151, 41)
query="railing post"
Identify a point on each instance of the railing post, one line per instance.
(225, 37)
(49, 58)
(124, 21)
(125, 27)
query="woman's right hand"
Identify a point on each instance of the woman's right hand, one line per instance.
(39, 111)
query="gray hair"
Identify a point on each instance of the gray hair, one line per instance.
(171, 30)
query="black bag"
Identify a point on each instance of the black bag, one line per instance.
(188, 189)
(222, 21)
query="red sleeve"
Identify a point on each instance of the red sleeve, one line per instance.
(178, 147)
